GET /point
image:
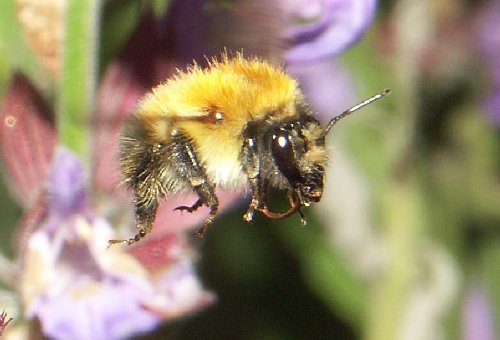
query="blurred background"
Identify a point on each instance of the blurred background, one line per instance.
(405, 243)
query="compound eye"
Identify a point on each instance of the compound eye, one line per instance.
(282, 149)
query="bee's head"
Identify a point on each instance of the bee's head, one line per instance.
(299, 153)
(294, 151)
(298, 150)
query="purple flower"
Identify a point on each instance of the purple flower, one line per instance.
(327, 86)
(489, 45)
(79, 289)
(67, 186)
(323, 28)
(477, 316)
(317, 32)
(492, 104)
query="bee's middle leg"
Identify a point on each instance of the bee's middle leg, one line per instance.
(191, 208)
(190, 169)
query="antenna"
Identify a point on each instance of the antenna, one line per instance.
(353, 109)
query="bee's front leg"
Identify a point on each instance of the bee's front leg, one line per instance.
(251, 165)
(295, 206)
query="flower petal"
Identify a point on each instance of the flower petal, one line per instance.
(68, 285)
(27, 139)
(159, 253)
(182, 292)
(323, 28)
(87, 310)
(66, 185)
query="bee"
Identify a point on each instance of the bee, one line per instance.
(240, 121)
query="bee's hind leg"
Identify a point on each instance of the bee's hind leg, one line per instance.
(146, 182)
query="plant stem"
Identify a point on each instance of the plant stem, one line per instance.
(79, 72)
